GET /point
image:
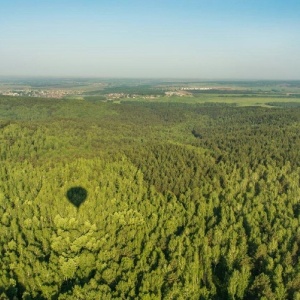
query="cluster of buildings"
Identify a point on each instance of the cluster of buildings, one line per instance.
(113, 96)
(39, 93)
(195, 88)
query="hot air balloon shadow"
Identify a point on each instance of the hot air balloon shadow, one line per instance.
(77, 195)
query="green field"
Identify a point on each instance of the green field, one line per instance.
(235, 100)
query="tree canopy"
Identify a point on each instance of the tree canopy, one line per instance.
(148, 200)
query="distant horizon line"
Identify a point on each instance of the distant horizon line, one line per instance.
(139, 78)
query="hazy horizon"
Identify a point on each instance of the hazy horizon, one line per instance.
(203, 40)
(186, 79)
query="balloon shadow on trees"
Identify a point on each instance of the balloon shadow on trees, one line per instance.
(76, 195)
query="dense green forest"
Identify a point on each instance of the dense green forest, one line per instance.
(148, 200)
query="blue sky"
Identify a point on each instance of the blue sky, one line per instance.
(213, 39)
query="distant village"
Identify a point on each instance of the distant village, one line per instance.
(61, 93)
(114, 96)
(40, 93)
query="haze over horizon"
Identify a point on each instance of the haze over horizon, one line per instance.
(167, 39)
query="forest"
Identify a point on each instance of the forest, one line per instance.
(149, 199)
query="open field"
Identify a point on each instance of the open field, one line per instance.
(241, 93)
(234, 100)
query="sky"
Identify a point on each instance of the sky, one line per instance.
(211, 39)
